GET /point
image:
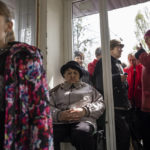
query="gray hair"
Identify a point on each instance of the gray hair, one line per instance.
(98, 52)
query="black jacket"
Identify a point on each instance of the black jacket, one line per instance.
(86, 76)
(120, 89)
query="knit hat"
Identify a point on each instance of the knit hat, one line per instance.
(72, 65)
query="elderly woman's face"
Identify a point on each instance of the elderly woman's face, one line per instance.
(72, 75)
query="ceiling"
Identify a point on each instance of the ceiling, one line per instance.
(88, 7)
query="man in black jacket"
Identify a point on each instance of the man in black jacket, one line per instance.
(120, 89)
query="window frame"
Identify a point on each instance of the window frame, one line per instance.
(106, 62)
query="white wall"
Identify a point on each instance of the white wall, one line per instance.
(42, 29)
(55, 33)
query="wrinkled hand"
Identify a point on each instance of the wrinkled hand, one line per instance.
(139, 47)
(74, 114)
(123, 77)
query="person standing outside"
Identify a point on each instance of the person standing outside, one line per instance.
(134, 71)
(144, 59)
(79, 58)
(91, 65)
(26, 122)
(121, 102)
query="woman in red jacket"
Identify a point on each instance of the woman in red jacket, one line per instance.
(134, 71)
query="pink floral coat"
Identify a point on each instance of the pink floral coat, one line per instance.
(28, 122)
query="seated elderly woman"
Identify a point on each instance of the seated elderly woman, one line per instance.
(75, 107)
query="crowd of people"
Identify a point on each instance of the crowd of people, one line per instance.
(131, 89)
(131, 93)
(36, 118)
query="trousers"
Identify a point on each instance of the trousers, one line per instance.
(122, 131)
(145, 119)
(80, 135)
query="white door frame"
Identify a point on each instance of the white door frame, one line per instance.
(42, 28)
(107, 74)
(67, 30)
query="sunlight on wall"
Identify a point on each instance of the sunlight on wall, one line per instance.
(51, 83)
(55, 37)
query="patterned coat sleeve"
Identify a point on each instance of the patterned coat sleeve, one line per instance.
(31, 73)
(39, 105)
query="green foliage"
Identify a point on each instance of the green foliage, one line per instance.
(142, 22)
(81, 39)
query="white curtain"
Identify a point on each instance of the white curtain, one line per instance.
(25, 21)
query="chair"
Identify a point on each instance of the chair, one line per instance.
(66, 146)
(99, 141)
(99, 136)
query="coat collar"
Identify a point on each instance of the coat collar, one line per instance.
(115, 60)
(16, 47)
(6, 49)
(77, 85)
(2, 51)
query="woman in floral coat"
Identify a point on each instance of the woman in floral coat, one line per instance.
(26, 122)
